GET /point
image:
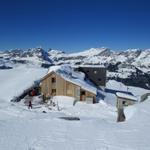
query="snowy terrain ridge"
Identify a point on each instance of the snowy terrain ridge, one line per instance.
(132, 57)
(131, 66)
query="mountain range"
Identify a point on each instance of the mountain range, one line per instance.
(131, 66)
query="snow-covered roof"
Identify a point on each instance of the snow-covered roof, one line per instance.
(126, 96)
(67, 73)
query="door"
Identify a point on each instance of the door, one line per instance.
(83, 96)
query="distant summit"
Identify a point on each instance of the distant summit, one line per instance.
(131, 66)
(133, 57)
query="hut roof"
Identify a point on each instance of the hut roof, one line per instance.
(75, 77)
(126, 96)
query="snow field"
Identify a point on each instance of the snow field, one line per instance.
(24, 129)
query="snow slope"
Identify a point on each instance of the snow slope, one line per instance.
(14, 81)
(33, 130)
(23, 129)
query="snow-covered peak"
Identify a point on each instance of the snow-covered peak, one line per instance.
(133, 50)
(117, 62)
(98, 56)
(90, 52)
(52, 51)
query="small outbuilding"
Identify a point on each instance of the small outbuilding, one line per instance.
(124, 100)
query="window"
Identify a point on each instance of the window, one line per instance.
(83, 93)
(125, 103)
(53, 80)
(53, 91)
(82, 96)
(95, 72)
(99, 79)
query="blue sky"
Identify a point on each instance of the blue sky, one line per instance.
(74, 25)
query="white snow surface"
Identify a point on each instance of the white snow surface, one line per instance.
(90, 52)
(21, 77)
(97, 129)
(138, 92)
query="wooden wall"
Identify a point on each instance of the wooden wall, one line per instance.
(62, 87)
(121, 100)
